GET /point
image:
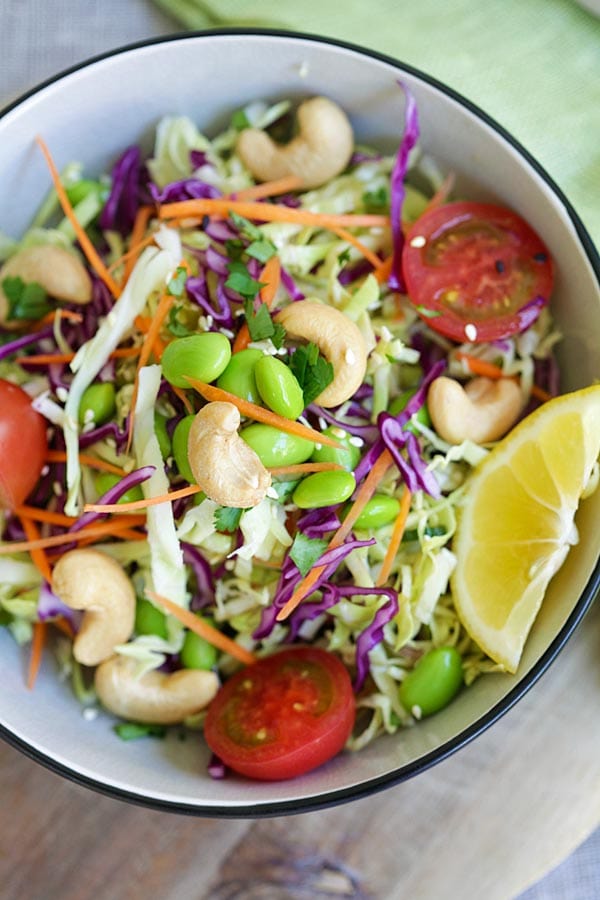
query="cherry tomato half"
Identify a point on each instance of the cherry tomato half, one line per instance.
(23, 445)
(476, 272)
(284, 715)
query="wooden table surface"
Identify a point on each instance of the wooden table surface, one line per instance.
(488, 822)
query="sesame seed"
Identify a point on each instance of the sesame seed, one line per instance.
(470, 332)
(356, 441)
(90, 713)
(418, 241)
(417, 712)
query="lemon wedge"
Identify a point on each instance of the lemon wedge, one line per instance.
(517, 522)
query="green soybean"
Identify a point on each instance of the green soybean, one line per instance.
(279, 387)
(434, 681)
(348, 457)
(180, 448)
(162, 434)
(197, 653)
(422, 414)
(97, 403)
(378, 511)
(275, 447)
(324, 489)
(238, 378)
(201, 356)
(149, 619)
(106, 480)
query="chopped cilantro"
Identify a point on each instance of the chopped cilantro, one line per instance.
(174, 324)
(428, 313)
(246, 228)
(312, 371)
(130, 731)
(261, 250)
(241, 281)
(378, 200)
(26, 300)
(344, 257)
(261, 326)
(176, 285)
(306, 551)
(227, 518)
(234, 248)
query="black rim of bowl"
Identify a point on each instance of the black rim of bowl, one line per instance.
(366, 788)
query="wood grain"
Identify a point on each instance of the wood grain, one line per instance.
(488, 822)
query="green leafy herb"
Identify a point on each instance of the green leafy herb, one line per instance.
(239, 120)
(378, 200)
(241, 281)
(131, 731)
(428, 313)
(26, 300)
(284, 489)
(176, 285)
(313, 372)
(175, 325)
(344, 257)
(261, 250)
(261, 326)
(246, 228)
(306, 551)
(227, 518)
(234, 247)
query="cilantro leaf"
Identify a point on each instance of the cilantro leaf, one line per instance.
(130, 731)
(306, 551)
(175, 326)
(241, 281)
(428, 313)
(246, 228)
(26, 300)
(261, 326)
(176, 285)
(313, 372)
(378, 200)
(261, 250)
(227, 518)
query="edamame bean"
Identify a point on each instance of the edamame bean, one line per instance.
(378, 511)
(97, 403)
(202, 356)
(279, 387)
(276, 448)
(238, 378)
(348, 457)
(324, 489)
(162, 434)
(422, 414)
(106, 480)
(149, 619)
(180, 448)
(434, 681)
(197, 653)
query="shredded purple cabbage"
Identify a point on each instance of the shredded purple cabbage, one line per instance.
(397, 192)
(216, 768)
(101, 433)
(25, 340)
(198, 292)
(367, 432)
(114, 494)
(123, 201)
(198, 158)
(373, 634)
(290, 286)
(205, 584)
(50, 607)
(530, 312)
(186, 189)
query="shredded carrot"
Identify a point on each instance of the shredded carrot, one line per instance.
(45, 515)
(37, 647)
(305, 468)
(203, 629)
(37, 554)
(358, 245)
(57, 540)
(187, 403)
(395, 539)
(260, 414)
(142, 504)
(59, 456)
(131, 254)
(384, 270)
(68, 314)
(442, 193)
(270, 188)
(124, 534)
(363, 495)
(270, 277)
(269, 212)
(137, 241)
(63, 625)
(266, 563)
(86, 245)
(47, 359)
(489, 370)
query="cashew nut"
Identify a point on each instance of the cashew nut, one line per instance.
(88, 579)
(484, 410)
(224, 466)
(319, 152)
(339, 340)
(155, 697)
(61, 274)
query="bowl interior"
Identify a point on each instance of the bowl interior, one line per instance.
(87, 115)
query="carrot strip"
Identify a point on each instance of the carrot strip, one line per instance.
(304, 468)
(38, 556)
(358, 245)
(47, 359)
(489, 370)
(260, 414)
(125, 534)
(86, 245)
(59, 456)
(442, 193)
(131, 254)
(137, 241)
(270, 277)
(142, 504)
(63, 625)
(364, 494)
(269, 188)
(68, 314)
(395, 539)
(57, 540)
(203, 629)
(269, 212)
(45, 515)
(179, 392)
(384, 270)
(37, 647)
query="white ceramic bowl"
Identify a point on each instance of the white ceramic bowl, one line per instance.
(90, 114)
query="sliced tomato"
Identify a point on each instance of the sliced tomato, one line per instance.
(476, 272)
(23, 445)
(284, 715)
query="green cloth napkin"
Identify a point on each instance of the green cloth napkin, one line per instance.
(533, 65)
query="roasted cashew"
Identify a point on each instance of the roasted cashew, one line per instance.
(320, 151)
(90, 580)
(61, 274)
(484, 410)
(224, 466)
(339, 340)
(155, 697)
